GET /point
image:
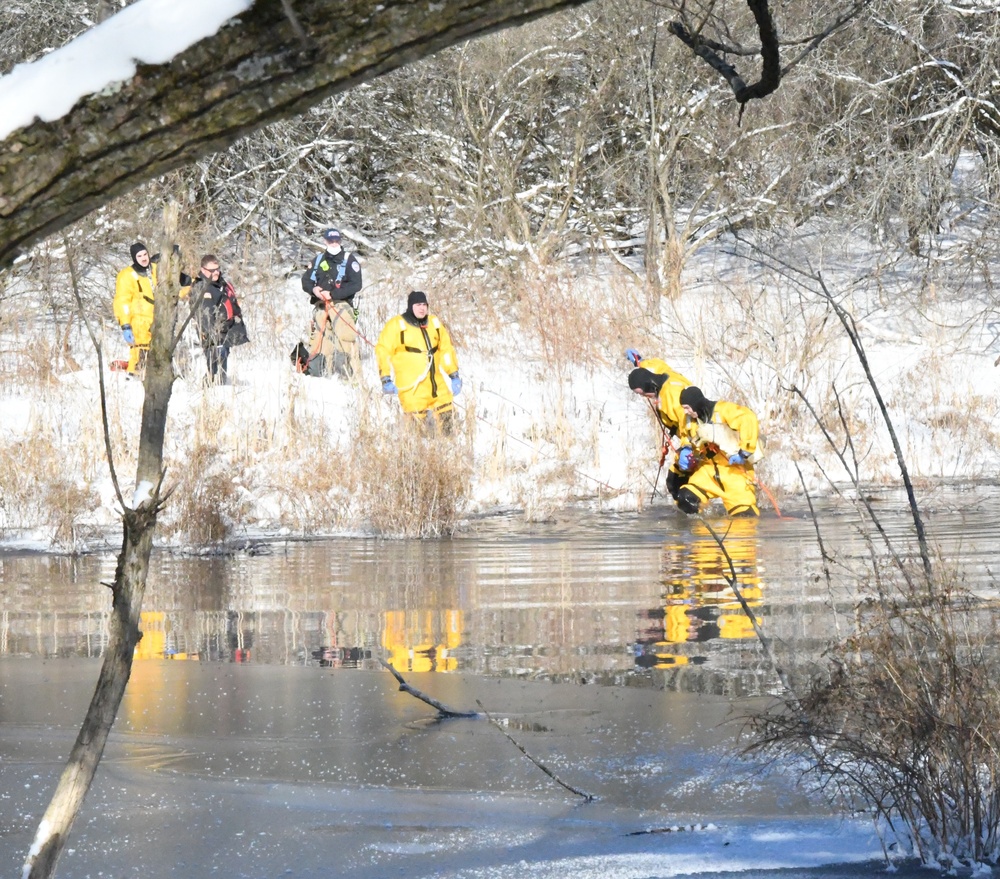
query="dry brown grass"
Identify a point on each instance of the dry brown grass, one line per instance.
(409, 482)
(207, 502)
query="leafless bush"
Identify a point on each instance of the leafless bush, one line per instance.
(903, 724)
(208, 501)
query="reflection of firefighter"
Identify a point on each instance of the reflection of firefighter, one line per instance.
(699, 602)
(341, 657)
(422, 640)
(153, 643)
(159, 638)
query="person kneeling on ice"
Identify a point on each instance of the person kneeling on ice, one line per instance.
(720, 458)
(415, 347)
(657, 382)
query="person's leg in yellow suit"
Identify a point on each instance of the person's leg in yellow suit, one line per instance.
(715, 478)
(142, 332)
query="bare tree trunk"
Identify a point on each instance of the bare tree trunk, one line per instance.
(127, 592)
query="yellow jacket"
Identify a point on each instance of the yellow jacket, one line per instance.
(420, 359)
(733, 427)
(668, 405)
(133, 304)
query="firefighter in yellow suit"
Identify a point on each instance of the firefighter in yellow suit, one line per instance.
(721, 456)
(655, 380)
(416, 348)
(133, 305)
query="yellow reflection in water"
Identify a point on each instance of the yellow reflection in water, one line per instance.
(422, 640)
(699, 602)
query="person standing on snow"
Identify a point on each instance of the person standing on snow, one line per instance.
(661, 385)
(720, 457)
(133, 305)
(332, 283)
(219, 318)
(415, 346)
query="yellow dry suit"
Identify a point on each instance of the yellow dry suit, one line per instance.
(422, 359)
(672, 418)
(730, 429)
(668, 404)
(133, 306)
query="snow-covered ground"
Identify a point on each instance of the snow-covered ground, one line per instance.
(546, 417)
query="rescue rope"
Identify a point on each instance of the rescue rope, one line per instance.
(770, 497)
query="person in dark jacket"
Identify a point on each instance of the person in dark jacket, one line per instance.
(332, 283)
(219, 318)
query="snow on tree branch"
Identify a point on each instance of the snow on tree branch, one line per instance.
(265, 66)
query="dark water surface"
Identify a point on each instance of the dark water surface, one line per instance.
(260, 736)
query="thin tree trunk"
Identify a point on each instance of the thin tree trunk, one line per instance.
(127, 591)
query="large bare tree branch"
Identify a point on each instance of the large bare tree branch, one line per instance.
(769, 50)
(770, 74)
(264, 66)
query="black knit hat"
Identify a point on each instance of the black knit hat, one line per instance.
(136, 249)
(415, 297)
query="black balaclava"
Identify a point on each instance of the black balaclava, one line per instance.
(411, 300)
(644, 380)
(693, 397)
(135, 249)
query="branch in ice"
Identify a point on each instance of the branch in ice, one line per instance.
(442, 709)
(580, 793)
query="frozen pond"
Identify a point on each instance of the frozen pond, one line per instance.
(260, 736)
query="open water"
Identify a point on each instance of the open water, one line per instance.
(261, 736)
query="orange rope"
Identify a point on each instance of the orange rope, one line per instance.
(770, 497)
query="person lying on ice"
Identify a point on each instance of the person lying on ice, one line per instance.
(720, 459)
(657, 382)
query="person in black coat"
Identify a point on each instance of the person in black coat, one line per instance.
(218, 318)
(332, 282)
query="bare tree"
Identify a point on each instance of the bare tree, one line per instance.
(127, 590)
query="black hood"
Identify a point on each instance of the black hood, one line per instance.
(642, 379)
(411, 300)
(134, 250)
(693, 397)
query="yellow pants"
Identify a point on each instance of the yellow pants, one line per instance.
(733, 484)
(142, 332)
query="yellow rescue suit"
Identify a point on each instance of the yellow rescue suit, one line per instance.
(422, 359)
(668, 404)
(672, 417)
(133, 306)
(731, 428)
